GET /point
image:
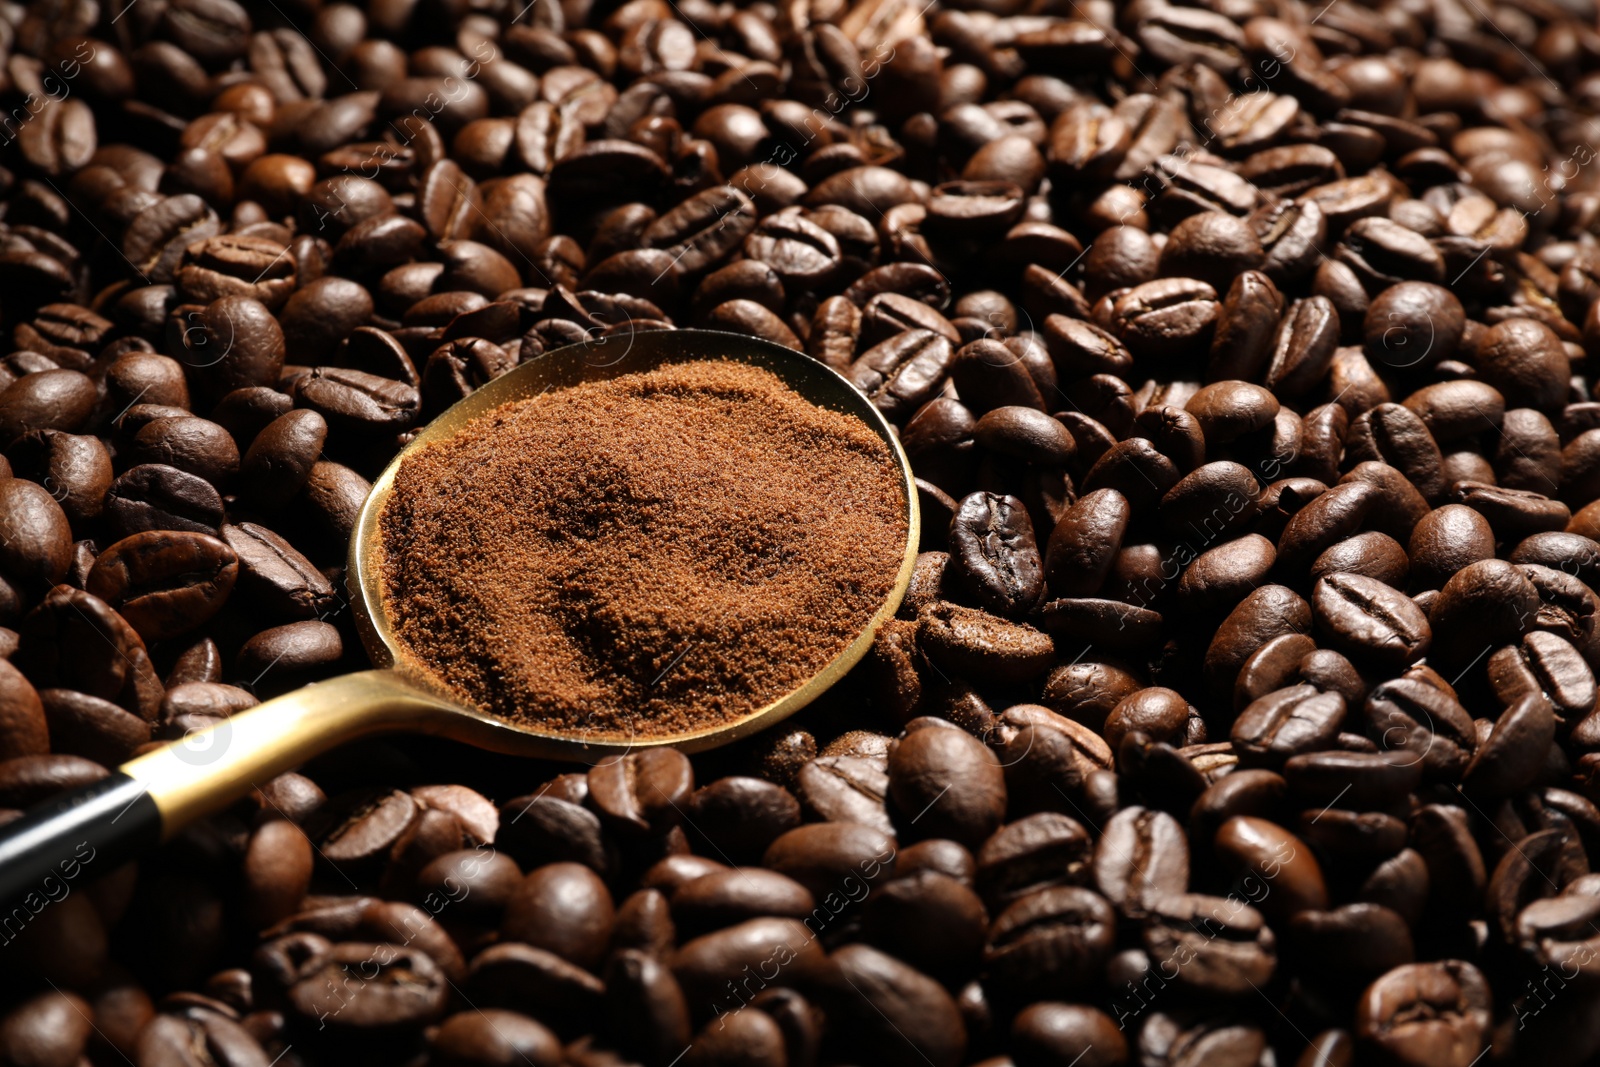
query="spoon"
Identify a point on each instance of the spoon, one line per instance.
(149, 798)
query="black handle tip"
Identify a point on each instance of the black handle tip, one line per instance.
(71, 839)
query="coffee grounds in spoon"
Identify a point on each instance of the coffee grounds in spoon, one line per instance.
(661, 552)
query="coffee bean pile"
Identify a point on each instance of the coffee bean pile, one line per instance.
(1242, 711)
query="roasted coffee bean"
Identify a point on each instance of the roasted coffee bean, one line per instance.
(358, 402)
(1230, 410)
(357, 827)
(1452, 410)
(1285, 723)
(724, 898)
(705, 964)
(1528, 453)
(197, 446)
(1322, 441)
(1084, 543)
(994, 556)
(1275, 665)
(1512, 513)
(546, 828)
(642, 791)
(879, 997)
(230, 343)
(564, 908)
(837, 858)
(1400, 883)
(1332, 672)
(1372, 555)
(1104, 397)
(278, 871)
(164, 583)
(204, 700)
(901, 373)
(800, 251)
(277, 576)
(1362, 780)
(1080, 348)
(1211, 246)
(493, 1034)
(1268, 612)
(1027, 434)
(1513, 754)
(1119, 625)
(1032, 853)
(1042, 751)
(47, 1026)
(1523, 359)
(1162, 319)
(1235, 951)
(236, 265)
(75, 468)
(292, 648)
(1544, 663)
(951, 780)
(1213, 499)
(172, 1035)
(969, 641)
(334, 494)
(1329, 518)
(1441, 834)
(539, 980)
(1189, 185)
(1221, 577)
(1448, 539)
(1357, 940)
(899, 913)
(1160, 714)
(988, 374)
(1489, 602)
(1246, 326)
(704, 228)
(1050, 1032)
(1570, 552)
(400, 986)
(1396, 506)
(1086, 691)
(1056, 938)
(280, 458)
(1426, 1012)
(1271, 866)
(846, 789)
(154, 497)
(36, 546)
(1141, 858)
(1392, 434)
(22, 721)
(90, 727)
(939, 857)
(1369, 620)
(1136, 469)
(1409, 715)
(1291, 233)
(51, 399)
(834, 331)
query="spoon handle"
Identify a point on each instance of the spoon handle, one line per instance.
(99, 826)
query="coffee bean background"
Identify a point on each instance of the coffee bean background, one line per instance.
(1243, 706)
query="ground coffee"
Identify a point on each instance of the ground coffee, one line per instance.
(664, 551)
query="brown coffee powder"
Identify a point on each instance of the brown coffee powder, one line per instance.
(660, 552)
